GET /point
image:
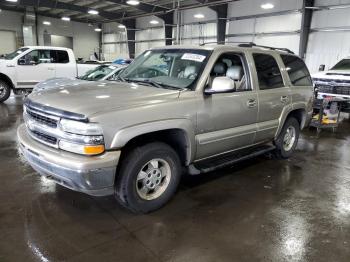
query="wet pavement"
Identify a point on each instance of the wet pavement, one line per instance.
(258, 210)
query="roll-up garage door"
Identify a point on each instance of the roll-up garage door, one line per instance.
(8, 42)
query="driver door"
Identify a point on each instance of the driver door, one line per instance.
(34, 67)
(227, 121)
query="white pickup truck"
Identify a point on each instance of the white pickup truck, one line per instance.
(27, 66)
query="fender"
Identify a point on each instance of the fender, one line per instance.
(8, 79)
(123, 136)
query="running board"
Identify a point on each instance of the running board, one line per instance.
(229, 159)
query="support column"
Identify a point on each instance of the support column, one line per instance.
(168, 27)
(305, 27)
(131, 36)
(221, 11)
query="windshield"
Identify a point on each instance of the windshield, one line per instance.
(98, 73)
(16, 53)
(342, 65)
(167, 68)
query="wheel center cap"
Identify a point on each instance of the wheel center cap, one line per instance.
(153, 178)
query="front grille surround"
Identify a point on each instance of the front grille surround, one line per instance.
(42, 118)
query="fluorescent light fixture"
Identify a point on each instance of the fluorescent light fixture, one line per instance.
(199, 16)
(25, 28)
(267, 6)
(154, 22)
(46, 23)
(93, 12)
(121, 26)
(133, 2)
(98, 29)
(65, 18)
(12, 1)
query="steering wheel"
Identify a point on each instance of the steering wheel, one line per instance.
(194, 75)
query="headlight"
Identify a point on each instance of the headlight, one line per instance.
(84, 138)
(80, 128)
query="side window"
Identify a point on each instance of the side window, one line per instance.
(32, 58)
(232, 65)
(62, 57)
(269, 74)
(298, 73)
(45, 56)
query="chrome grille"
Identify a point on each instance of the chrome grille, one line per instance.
(42, 118)
(44, 137)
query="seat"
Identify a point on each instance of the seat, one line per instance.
(236, 73)
(190, 72)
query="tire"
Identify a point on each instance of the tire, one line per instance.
(138, 174)
(284, 149)
(5, 91)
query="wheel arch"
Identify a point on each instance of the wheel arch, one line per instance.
(299, 114)
(177, 134)
(7, 80)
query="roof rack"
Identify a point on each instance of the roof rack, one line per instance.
(267, 47)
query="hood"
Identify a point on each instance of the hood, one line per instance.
(332, 75)
(56, 82)
(97, 97)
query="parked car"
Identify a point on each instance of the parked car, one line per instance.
(335, 83)
(175, 108)
(100, 73)
(21, 70)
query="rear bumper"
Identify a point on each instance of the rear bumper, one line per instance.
(91, 175)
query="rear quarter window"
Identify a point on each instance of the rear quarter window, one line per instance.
(298, 73)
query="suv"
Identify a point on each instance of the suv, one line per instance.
(174, 108)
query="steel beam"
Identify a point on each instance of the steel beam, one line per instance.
(168, 27)
(305, 26)
(221, 11)
(131, 35)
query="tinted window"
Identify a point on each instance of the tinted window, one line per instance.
(298, 73)
(62, 57)
(37, 57)
(342, 65)
(269, 74)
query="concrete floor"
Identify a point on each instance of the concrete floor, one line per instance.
(259, 210)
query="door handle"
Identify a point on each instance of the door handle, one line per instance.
(251, 103)
(284, 99)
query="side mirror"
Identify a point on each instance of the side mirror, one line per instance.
(321, 68)
(21, 61)
(221, 84)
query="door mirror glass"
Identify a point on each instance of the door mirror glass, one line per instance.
(221, 84)
(321, 68)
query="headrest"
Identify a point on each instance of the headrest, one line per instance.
(220, 68)
(235, 73)
(190, 70)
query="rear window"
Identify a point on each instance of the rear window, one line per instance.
(298, 73)
(62, 57)
(269, 74)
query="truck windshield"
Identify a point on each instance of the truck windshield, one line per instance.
(16, 53)
(167, 68)
(342, 65)
(98, 73)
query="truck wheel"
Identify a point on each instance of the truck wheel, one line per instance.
(5, 91)
(148, 177)
(287, 139)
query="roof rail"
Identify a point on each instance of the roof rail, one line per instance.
(267, 47)
(226, 42)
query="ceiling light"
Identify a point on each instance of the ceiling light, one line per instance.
(121, 26)
(267, 6)
(93, 12)
(133, 2)
(12, 1)
(154, 22)
(65, 18)
(199, 16)
(98, 29)
(46, 23)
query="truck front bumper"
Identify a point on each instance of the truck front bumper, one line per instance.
(91, 175)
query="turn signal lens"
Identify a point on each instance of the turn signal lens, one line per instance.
(94, 150)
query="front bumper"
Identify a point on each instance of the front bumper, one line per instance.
(93, 175)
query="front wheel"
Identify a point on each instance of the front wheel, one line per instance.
(5, 91)
(148, 177)
(287, 139)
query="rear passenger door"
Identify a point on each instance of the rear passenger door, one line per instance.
(64, 67)
(273, 94)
